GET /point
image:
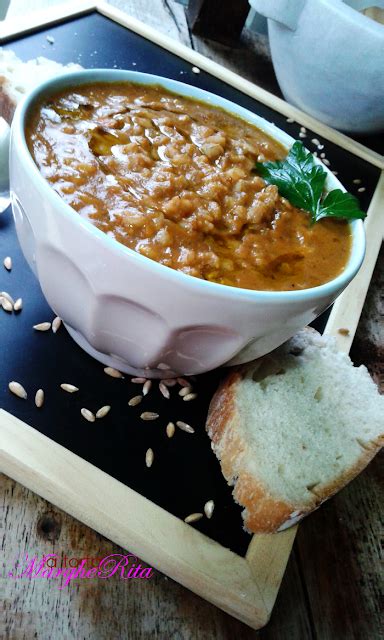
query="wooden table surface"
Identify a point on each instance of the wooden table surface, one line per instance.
(333, 586)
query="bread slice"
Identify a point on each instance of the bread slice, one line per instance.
(293, 428)
(18, 77)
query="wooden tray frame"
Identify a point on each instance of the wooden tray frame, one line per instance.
(245, 587)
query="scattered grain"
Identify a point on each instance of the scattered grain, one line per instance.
(18, 304)
(303, 130)
(326, 162)
(103, 411)
(149, 457)
(149, 415)
(322, 155)
(164, 390)
(7, 263)
(302, 135)
(39, 398)
(190, 396)
(163, 366)
(185, 427)
(361, 189)
(146, 387)
(18, 390)
(357, 181)
(184, 391)
(170, 429)
(138, 380)
(88, 415)
(290, 120)
(70, 388)
(7, 306)
(315, 141)
(50, 39)
(42, 326)
(193, 517)
(7, 296)
(183, 382)
(113, 373)
(169, 382)
(208, 508)
(195, 69)
(56, 324)
(135, 400)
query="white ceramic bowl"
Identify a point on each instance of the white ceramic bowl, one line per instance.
(130, 312)
(329, 59)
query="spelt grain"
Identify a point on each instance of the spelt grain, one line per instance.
(135, 400)
(56, 324)
(185, 427)
(88, 415)
(114, 373)
(18, 390)
(193, 517)
(39, 398)
(70, 388)
(170, 429)
(149, 415)
(149, 457)
(42, 326)
(102, 412)
(7, 263)
(208, 508)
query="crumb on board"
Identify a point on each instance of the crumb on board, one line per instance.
(343, 331)
(50, 39)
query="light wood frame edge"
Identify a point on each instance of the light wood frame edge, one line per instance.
(267, 555)
(15, 27)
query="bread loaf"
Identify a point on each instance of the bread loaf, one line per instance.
(18, 78)
(293, 428)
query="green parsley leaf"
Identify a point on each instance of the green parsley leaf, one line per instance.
(301, 181)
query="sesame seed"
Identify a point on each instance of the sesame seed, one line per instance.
(56, 324)
(320, 147)
(149, 415)
(183, 382)
(195, 69)
(7, 262)
(170, 429)
(146, 387)
(70, 388)
(18, 304)
(169, 382)
(18, 390)
(42, 326)
(163, 366)
(208, 508)
(302, 134)
(185, 391)
(103, 411)
(7, 296)
(113, 373)
(193, 517)
(135, 400)
(88, 415)
(190, 396)
(6, 305)
(149, 457)
(185, 427)
(164, 390)
(39, 398)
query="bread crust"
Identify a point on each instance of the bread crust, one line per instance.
(263, 512)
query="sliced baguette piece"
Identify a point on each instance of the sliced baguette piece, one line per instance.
(18, 78)
(291, 429)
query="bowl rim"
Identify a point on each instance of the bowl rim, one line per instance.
(86, 76)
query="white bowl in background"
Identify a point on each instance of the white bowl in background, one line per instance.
(329, 59)
(128, 311)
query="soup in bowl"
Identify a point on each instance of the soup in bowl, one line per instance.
(138, 207)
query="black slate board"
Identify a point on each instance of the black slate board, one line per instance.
(185, 473)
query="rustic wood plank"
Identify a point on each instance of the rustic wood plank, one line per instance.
(104, 609)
